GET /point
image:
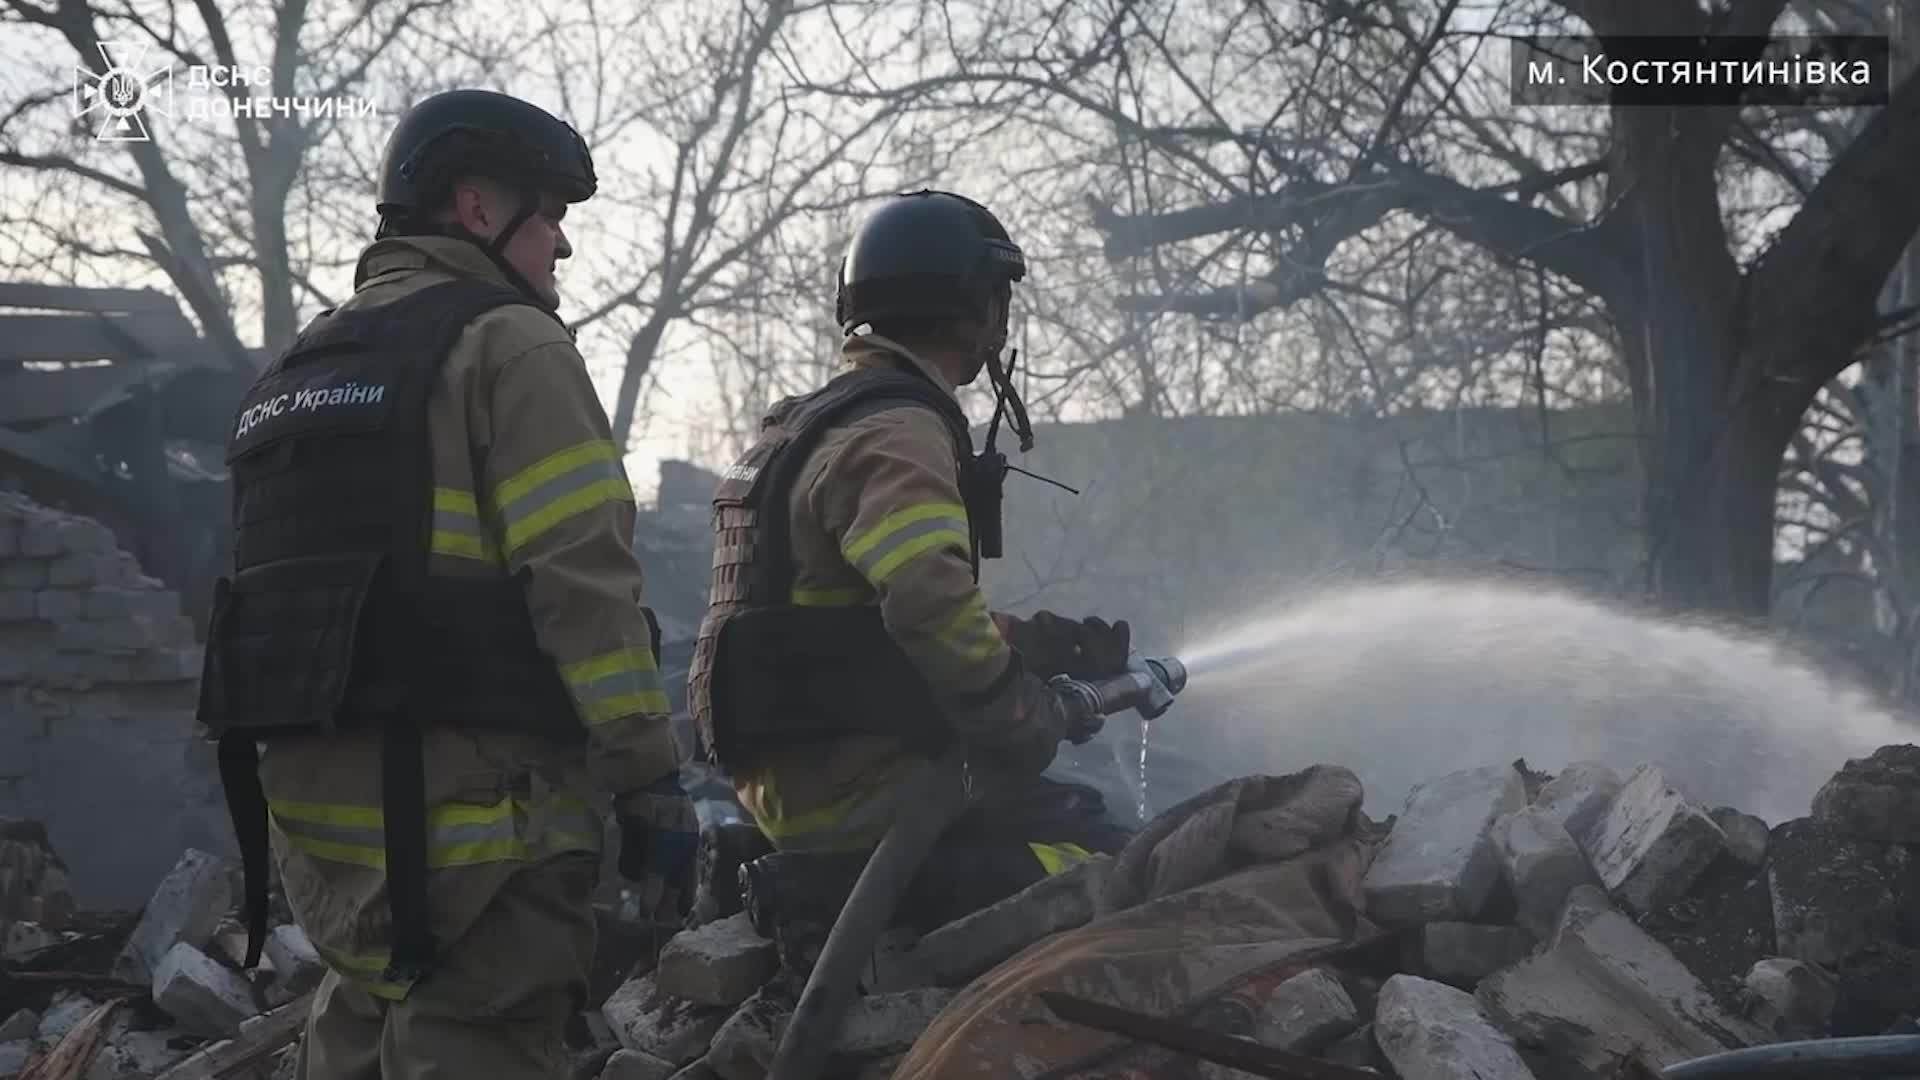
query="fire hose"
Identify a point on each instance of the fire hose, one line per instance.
(944, 789)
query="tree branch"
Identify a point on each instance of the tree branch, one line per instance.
(1814, 295)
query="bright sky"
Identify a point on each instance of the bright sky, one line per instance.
(611, 241)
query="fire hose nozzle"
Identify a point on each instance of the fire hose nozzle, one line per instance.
(1148, 686)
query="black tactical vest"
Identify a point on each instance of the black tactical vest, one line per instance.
(329, 620)
(767, 673)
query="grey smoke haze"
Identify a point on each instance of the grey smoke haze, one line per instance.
(1405, 682)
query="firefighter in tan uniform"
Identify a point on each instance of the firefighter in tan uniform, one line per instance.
(435, 625)
(847, 634)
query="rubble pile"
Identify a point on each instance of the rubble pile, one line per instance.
(159, 992)
(99, 671)
(1583, 925)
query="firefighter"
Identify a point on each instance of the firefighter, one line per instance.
(434, 625)
(847, 634)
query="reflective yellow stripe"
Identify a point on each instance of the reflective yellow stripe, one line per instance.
(458, 834)
(1059, 858)
(906, 534)
(854, 822)
(556, 488)
(457, 530)
(848, 597)
(970, 635)
(364, 970)
(616, 684)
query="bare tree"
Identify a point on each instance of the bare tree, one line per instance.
(734, 167)
(206, 214)
(1294, 130)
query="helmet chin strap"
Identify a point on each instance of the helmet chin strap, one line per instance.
(494, 250)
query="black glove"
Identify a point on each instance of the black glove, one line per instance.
(1044, 722)
(1089, 649)
(659, 843)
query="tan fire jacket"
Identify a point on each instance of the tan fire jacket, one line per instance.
(552, 506)
(877, 511)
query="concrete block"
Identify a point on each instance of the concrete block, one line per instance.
(1833, 895)
(296, 963)
(1306, 1013)
(40, 536)
(971, 946)
(117, 602)
(721, 963)
(1606, 991)
(18, 605)
(633, 1065)
(186, 907)
(1461, 954)
(1875, 798)
(1790, 999)
(1439, 863)
(1579, 795)
(875, 1025)
(58, 605)
(1431, 1031)
(1542, 864)
(21, 1025)
(200, 994)
(23, 574)
(743, 1048)
(1746, 835)
(81, 569)
(77, 534)
(1652, 844)
(112, 635)
(647, 1019)
(14, 1056)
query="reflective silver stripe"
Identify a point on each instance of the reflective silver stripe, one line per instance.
(869, 563)
(548, 492)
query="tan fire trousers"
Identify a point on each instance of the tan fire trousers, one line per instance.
(496, 1007)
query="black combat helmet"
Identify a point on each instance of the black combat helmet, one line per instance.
(925, 255)
(479, 132)
(462, 132)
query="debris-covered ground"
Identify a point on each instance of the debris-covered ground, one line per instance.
(1585, 925)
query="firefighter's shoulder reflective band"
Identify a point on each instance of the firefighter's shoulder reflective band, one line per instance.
(624, 682)
(1059, 858)
(906, 534)
(458, 834)
(558, 487)
(457, 531)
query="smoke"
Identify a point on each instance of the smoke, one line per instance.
(1406, 682)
